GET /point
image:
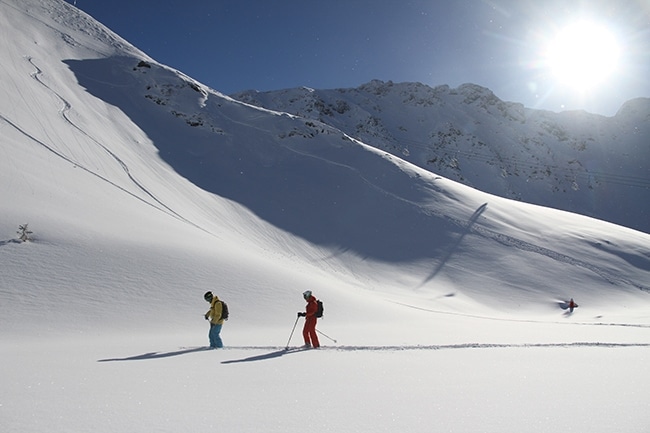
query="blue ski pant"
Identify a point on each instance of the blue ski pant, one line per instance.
(213, 335)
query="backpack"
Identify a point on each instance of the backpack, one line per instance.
(319, 311)
(224, 310)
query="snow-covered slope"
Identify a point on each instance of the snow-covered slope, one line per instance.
(107, 140)
(144, 188)
(574, 161)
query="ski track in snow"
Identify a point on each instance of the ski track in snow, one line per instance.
(498, 319)
(510, 241)
(271, 352)
(471, 227)
(559, 257)
(158, 204)
(344, 348)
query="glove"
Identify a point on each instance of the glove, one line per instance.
(206, 317)
(302, 314)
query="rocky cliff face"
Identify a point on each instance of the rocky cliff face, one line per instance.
(575, 161)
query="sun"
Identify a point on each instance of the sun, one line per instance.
(583, 55)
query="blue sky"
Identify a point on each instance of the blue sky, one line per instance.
(500, 44)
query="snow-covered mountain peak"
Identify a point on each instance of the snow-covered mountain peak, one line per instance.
(66, 30)
(572, 160)
(636, 108)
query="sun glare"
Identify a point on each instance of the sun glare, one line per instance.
(583, 55)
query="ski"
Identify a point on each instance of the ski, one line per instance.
(297, 348)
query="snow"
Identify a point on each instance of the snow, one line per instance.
(445, 302)
(575, 161)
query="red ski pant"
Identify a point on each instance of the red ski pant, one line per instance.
(309, 332)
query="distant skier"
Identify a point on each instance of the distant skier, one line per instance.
(309, 330)
(214, 315)
(572, 305)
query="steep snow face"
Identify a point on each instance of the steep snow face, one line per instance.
(56, 28)
(574, 161)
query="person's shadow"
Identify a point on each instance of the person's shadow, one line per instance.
(156, 355)
(185, 351)
(265, 356)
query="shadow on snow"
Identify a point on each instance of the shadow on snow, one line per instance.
(306, 179)
(277, 352)
(156, 355)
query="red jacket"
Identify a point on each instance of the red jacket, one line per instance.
(312, 307)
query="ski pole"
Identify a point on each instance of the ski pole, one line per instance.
(293, 329)
(326, 336)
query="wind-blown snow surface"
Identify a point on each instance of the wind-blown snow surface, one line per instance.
(144, 189)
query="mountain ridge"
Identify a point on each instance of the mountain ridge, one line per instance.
(575, 161)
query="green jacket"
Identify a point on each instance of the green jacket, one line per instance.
(214, 314)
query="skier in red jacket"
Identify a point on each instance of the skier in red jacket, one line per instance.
(572, 305)
(309, 330)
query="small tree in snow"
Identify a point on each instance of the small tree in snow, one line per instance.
(23, 233)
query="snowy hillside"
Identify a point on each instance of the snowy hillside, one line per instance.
(575, 161)
(445, 307)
